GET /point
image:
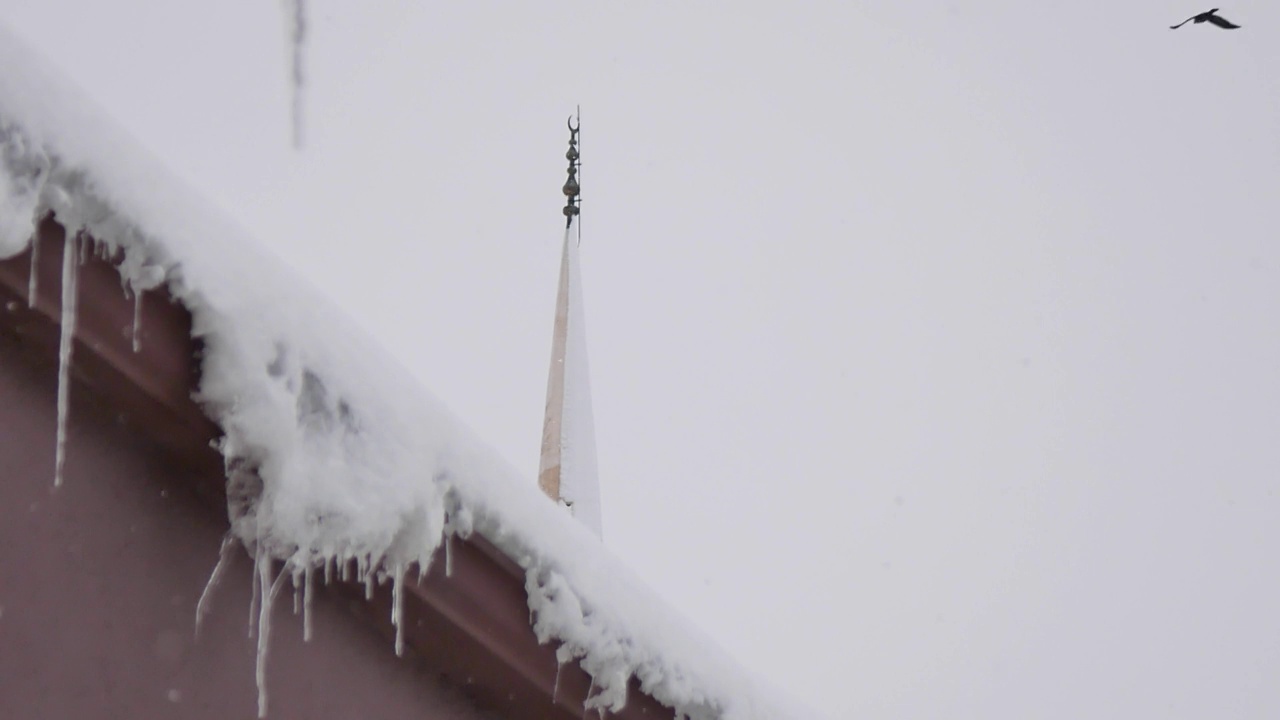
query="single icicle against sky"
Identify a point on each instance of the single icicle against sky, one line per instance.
(295, 19)
(568, 469)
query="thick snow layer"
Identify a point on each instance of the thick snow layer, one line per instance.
(332, 451)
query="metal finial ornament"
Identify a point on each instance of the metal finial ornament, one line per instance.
(571, 187)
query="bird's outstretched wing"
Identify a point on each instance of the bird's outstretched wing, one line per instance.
(1184, 22)
(1222, 22)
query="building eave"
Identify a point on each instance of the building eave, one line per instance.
(469, 620)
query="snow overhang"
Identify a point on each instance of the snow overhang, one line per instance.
(468, 616)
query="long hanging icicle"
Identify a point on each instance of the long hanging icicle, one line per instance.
(306, 603)
(69, 266)
(269, 590)
(137, 318)
(295, 12)
(224, 554)
(555, 689)
(397, 607)
(255, 592)
(33, 280)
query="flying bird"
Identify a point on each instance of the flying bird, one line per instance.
(1209, 17)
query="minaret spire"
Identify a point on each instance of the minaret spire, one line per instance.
(567, 471)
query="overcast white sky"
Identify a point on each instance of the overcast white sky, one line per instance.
(935, 346)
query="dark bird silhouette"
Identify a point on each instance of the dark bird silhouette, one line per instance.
(1209, 17)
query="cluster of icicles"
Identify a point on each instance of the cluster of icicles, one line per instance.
(302, 575)
(301, 569)
(268, 583)
(79, 247)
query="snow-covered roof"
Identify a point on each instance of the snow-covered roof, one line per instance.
(356, 460)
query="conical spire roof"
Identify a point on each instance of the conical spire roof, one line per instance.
(567, 472)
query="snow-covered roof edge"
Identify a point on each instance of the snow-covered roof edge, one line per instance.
(356, 460)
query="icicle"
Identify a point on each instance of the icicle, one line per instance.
(296, 23)
(64, 351)
(297, 596)
(137, 318)
(328, 570)
(397, 607)
(84, 250)
(365, 574)
(33, 280)
(586, 702)
(424, 568)
(269, 589)
(555, 689)
(202, 606)
(448, 555)
(306, 601)
(256, 591)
